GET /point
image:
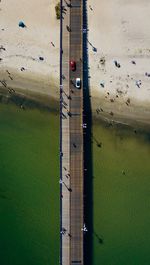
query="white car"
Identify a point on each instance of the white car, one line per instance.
(78, 82)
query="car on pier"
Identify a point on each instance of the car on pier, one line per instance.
(73, 65)
(78, 82)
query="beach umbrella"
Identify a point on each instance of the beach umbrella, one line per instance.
(21, 24)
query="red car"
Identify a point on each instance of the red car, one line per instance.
(73, 65)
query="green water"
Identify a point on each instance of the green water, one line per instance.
(29, 187)
(29, 192)
(121, 201)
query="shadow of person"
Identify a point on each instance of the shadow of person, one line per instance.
(99, 238)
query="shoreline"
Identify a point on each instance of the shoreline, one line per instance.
(30, 100)
(43, 89)
(134, 114)
(27, 98)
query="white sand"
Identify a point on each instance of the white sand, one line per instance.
(25, 45)
(118, 29)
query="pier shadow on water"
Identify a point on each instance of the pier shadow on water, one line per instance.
(88, 164)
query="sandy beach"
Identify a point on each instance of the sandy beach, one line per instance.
(119, 69)
(23, 47)
(119, 54)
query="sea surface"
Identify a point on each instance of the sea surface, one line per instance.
(29, 187)
(121, 171)
(29, 191)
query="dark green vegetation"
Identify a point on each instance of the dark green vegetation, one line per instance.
(57, 10)
(29, 187)
(121, 197)
(29, 191)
